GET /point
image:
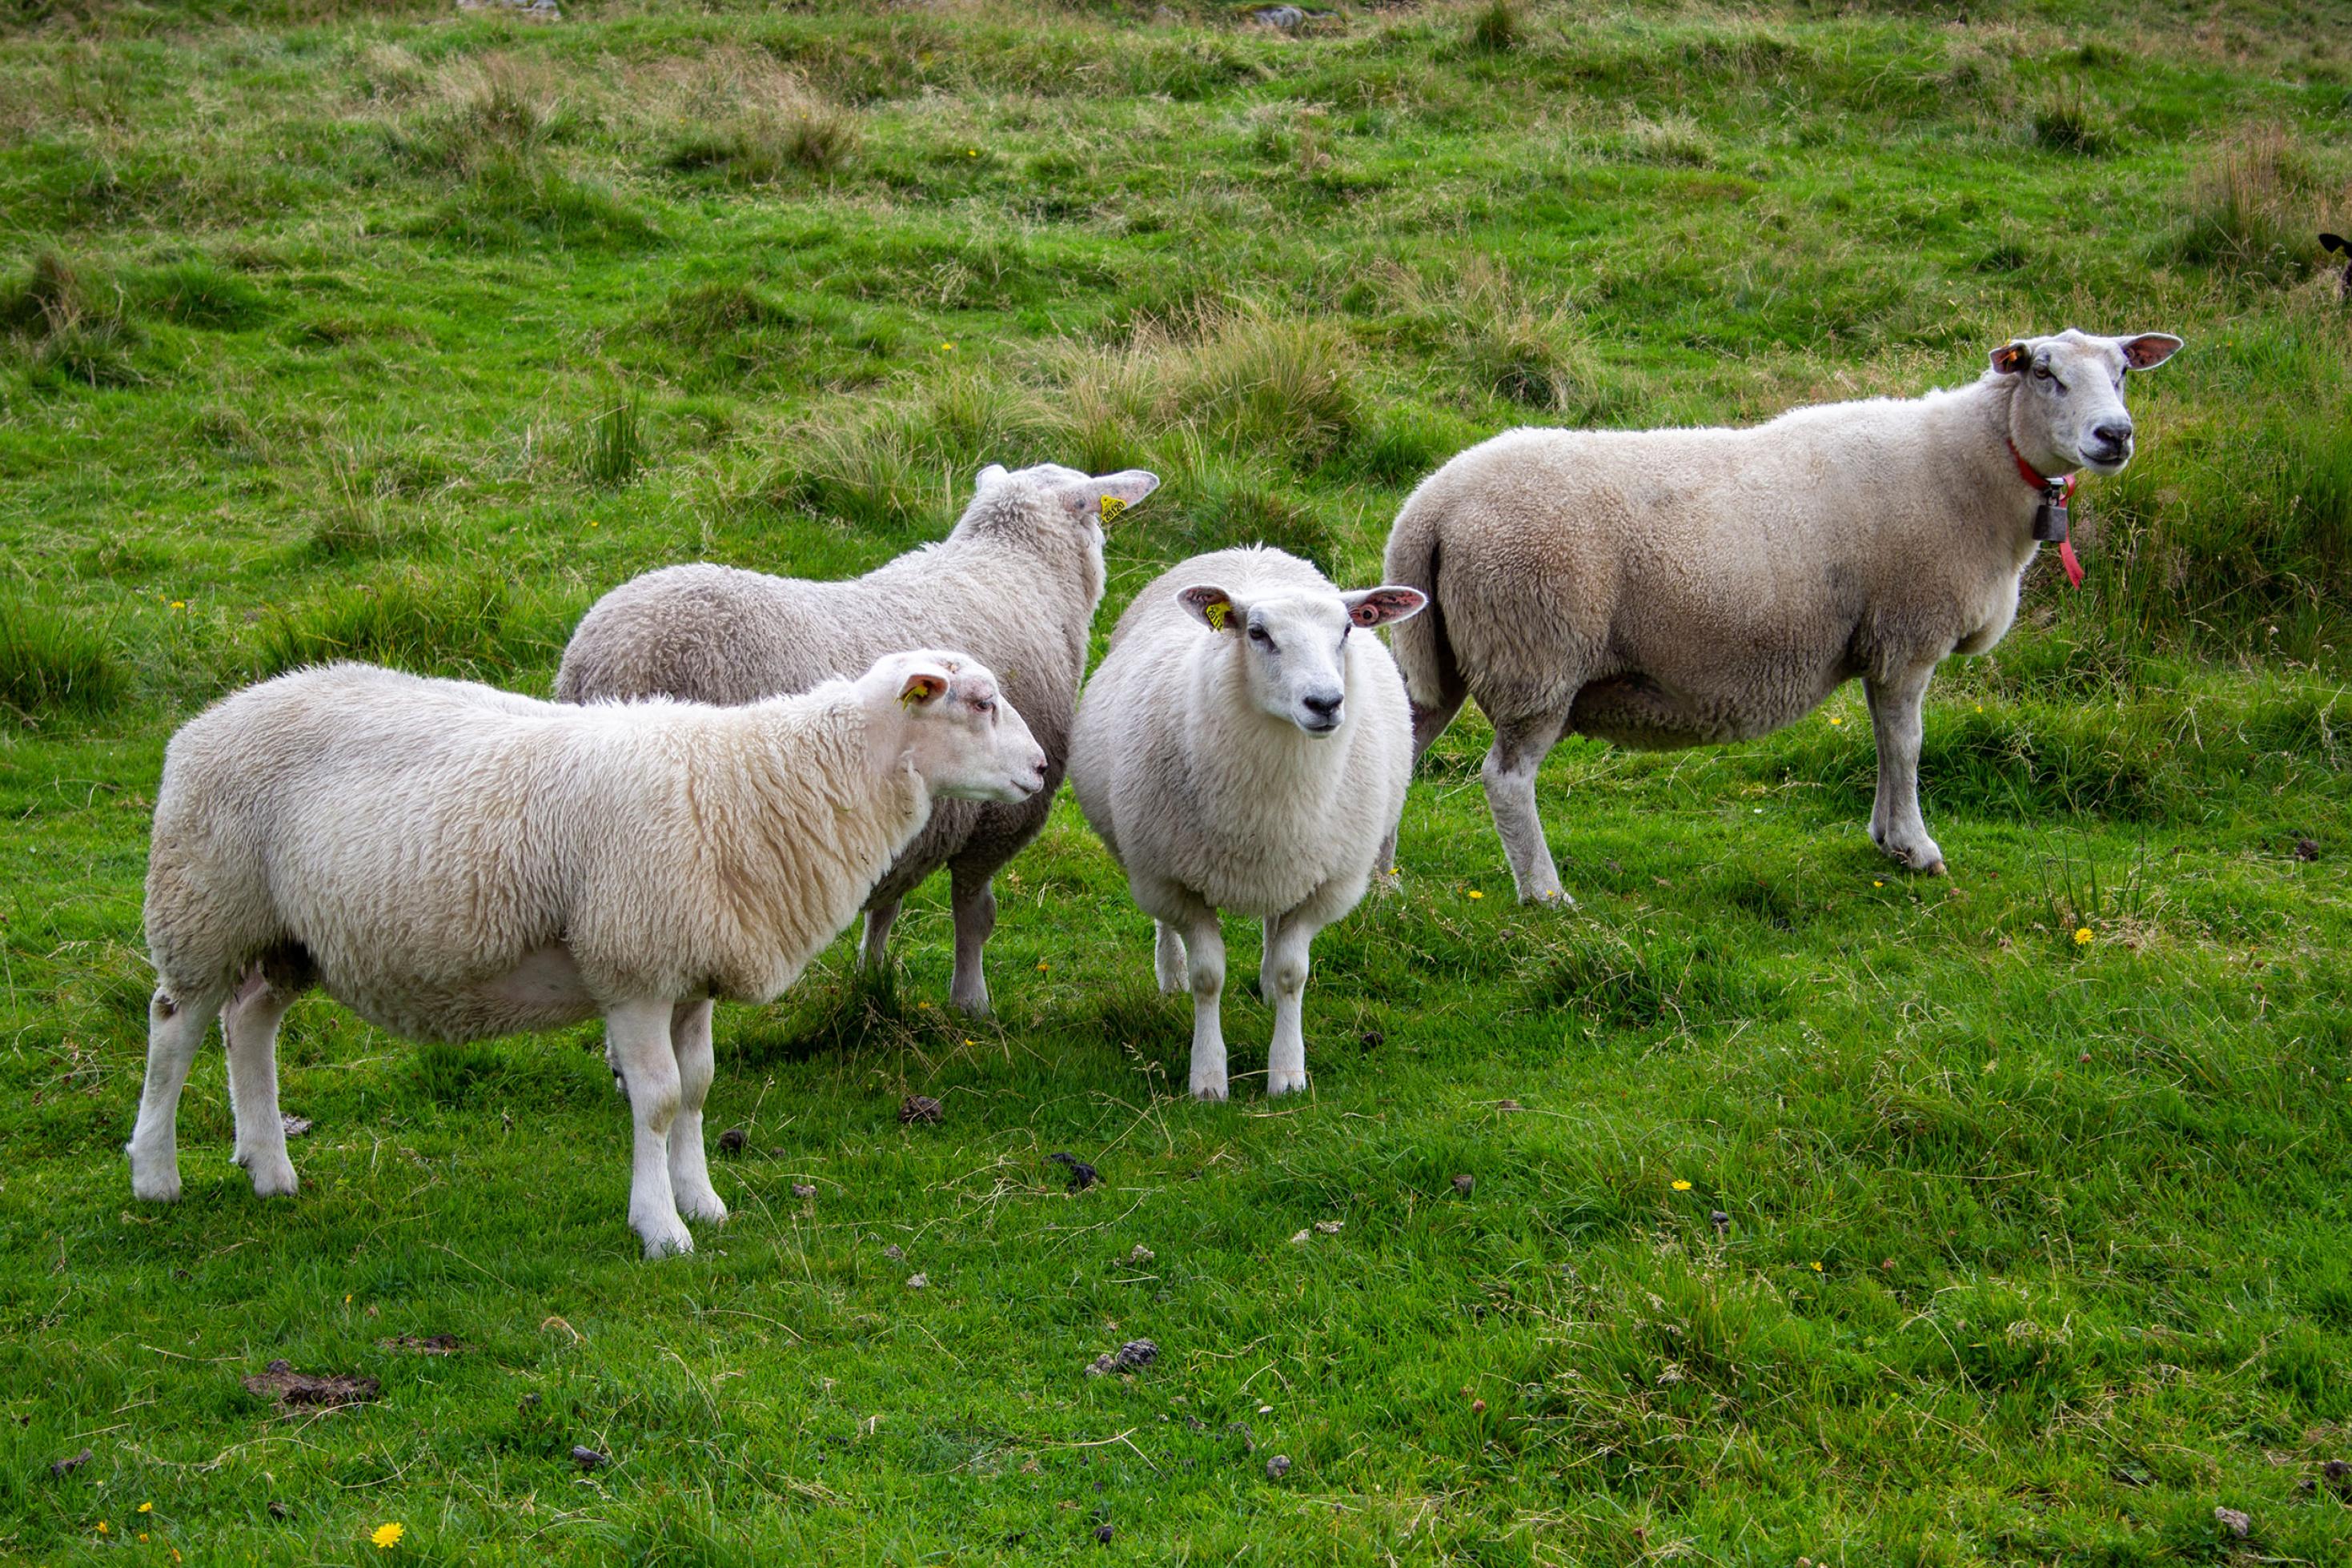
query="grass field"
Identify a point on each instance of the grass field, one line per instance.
(402, 333)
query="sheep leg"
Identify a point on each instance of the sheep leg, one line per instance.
(174, 1030)
(874, 950)
(639, 1036)
(249, 1024)
(1285, 979)
(1510, 773)
(1204, 972)
(1168, 958)
(1895, 825)
(689, 1163)
(973, 897)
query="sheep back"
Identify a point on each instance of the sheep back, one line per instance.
(416, 840)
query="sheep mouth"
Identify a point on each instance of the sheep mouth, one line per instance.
(1318, 726)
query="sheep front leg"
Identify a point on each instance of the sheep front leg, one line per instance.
(250, 1025)
(973, 899)
(1285, 983)
(689, 1162)
(1509, 774)
(174, 1030)
(1895, 825)
(1204, 971)
(637, 1035)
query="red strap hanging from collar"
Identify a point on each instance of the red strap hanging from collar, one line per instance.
(2064, 486)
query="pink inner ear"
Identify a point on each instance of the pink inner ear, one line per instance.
(1368, 613)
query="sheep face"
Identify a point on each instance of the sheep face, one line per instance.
(1088, 501)
(1293, 647)
(952, 727)
(2068, 410)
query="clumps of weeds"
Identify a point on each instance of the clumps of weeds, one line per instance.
(744, 118)
(2066, 121)
(617, 448)
(71, 325)
(1507, 338)
(1499, 28)
(2251, 210)
(497, 110)
(1673, 142)
(52, 661)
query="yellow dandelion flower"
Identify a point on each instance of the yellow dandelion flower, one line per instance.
(101, 1527)
(179, 604)
(1835, 719)
(1817, 1265)
(142, 1538)
(971, 151)
(949, 347)
(2084, 936)
(1980, 708)
(387, 1536)
(1475, 893)
(1042, 965)
(1876, 882)
(146, 1508)
(1682, 1186)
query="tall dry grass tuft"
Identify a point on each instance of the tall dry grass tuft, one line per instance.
(498, 109)
(2252, 209)
(743, 116)
(71, 325)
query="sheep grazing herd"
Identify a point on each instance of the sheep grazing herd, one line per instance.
(737, 763)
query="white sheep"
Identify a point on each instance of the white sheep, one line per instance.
(1016, 582)
(455, 863)
(1243, 749)
(1674, 588)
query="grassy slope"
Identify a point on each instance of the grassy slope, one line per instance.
(339, 307)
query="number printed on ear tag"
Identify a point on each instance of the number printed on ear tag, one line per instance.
(1111, 507)
(1216, 614)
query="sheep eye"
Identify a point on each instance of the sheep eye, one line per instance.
(1257, 635)
(2041, 374)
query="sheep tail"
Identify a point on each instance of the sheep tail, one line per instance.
(1424, 654)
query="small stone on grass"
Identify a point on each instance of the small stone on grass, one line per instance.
(588, 1458)
(1277, 1466)
(920, 1108)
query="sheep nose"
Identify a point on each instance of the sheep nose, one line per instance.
(2115, 435)
(1322, 705)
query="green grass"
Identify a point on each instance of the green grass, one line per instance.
(389, 332)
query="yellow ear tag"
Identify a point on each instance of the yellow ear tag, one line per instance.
(1111, 507)
(1216, 614)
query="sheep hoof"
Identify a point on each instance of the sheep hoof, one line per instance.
(273, 1178)
(161, 1187)
(975, 1005)
(663, 1236)
(1550, 898)
(1208, 1091)
(704, 1205)
(1287, 1084)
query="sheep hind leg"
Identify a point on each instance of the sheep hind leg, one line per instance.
(1509, 774)
(973, 895)
(1895, 825)
(690, 1160)
(1284, 981)
(1204, 972)
(874, 947)
(1168, 958)
(250, 1025)
(638, 1038)
(175, 1029)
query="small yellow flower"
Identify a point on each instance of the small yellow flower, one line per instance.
(1980, 708)
(1682, 1186)
(179, 604)
(1475, 893)
(1817, 1265)
(175, 1554)
(1876, 882)
(967, 1039)
(146, 1508)
(1835, 719)
(387, 1536)
(591, 524)
(1042, 965)
(2084, 936)
(142, 1538)
(947, 347)
(101, 1527)
(971, 151)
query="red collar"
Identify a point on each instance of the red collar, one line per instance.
(2058, 491)
(2064, 483)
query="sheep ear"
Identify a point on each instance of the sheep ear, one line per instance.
(994, 474)
(1103, 499)
(1211, 607)
(922, 687)
(2148, 349)
(1384, 605)
(2010, 359)
(2335, 242)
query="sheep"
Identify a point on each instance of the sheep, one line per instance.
(1240, 750)
(455, 863)
(2339, 245)
(1016, 581)
(1674, 588)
